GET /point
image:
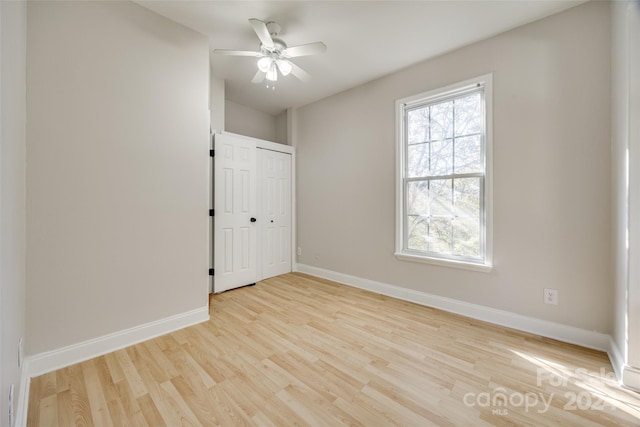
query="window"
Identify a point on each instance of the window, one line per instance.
(443, 175)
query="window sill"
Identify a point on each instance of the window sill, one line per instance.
(486, 268)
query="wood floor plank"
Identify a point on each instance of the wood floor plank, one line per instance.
(95, 392)
(300, 351)
(115, 403)
(65, 412)
(362, 414)
(141, 356)
(79, 398)
(150, 411)
(49, 411)
(48, 385)
(251, 374)
(180, 407)
(230, 411)
(127, 399)
(131, 373)
(198, 401)
(115, 371)
(281, 414)
(164, 402)
(305, 406)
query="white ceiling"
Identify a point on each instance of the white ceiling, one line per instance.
(365, 39)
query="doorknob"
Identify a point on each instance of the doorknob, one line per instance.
(253, 220)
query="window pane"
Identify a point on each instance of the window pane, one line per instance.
(466, 226)
(466, 237)
(417, 198)
(442, 121)
(444, 175)
(468, 115)
(441, 202)
(442, 157)
(418, 160)
(440, 235)
(418, 125)
(468, 154)
(466, 196)
(417, 233)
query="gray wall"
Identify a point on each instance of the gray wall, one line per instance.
(281, 128)
(551, 172)
(216, 102)
(248, 121)
(12, 194)
(117, 143)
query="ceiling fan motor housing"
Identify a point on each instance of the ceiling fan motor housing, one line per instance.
(278, 47)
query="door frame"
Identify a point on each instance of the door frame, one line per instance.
(265, 145)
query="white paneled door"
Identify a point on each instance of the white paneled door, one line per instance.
(235, 223)
(275, 208)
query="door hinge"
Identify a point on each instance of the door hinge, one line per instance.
(211, 212)
(211, 272)
(212, 153)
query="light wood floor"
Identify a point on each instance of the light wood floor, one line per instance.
(296, 350)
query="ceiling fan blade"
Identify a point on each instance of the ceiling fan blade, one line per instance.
(232, 52)
(305, 49)
(262, 32)
(259, 77)
(301, 74)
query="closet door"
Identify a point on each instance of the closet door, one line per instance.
(235, 242)
(276, 221)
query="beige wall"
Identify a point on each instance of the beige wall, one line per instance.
(248, 121)
(281, 128)
(551, 172)
(117, 175)
(12, 192)
(216, 103)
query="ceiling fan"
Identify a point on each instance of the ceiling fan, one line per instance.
(274, 55)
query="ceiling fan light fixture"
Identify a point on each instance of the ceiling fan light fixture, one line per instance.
(272, 73)
(274, 56)
(284, 66)
(264, 64)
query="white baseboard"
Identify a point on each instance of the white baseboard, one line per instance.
(558, 331)
(51, 360)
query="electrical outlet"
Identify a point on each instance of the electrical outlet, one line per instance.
(11, 387)
(551, 296)
(299, 251)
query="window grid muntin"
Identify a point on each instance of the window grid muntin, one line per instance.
(428, 102)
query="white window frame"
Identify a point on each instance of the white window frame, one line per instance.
(404, 104)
